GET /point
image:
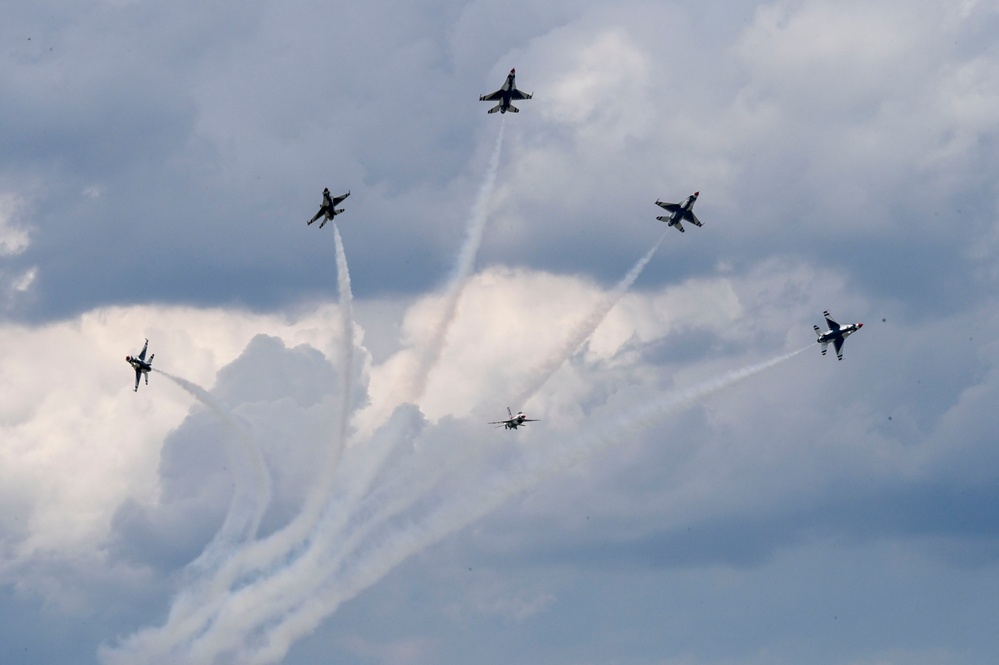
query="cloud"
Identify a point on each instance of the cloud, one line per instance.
(13, 239)
(157, 176)
(726, 462)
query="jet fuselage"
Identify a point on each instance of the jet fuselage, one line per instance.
(506, 95)
(516, 422)
(138, 365)
(679, 212)
(677, 216)
(844, 332)
(507, 88)
(834, 334)
(141, 366)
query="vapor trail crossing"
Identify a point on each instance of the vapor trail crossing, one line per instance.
(411, 513)
(196, 608)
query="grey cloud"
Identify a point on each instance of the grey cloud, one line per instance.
(180, 159)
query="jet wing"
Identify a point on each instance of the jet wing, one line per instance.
(838, 345)
(142, 354)
(492, 97)
(517, 95)
(672, 207)
(829, 322)
(337, 199)
(138, 375)
(689, 216)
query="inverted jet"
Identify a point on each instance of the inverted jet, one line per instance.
(836, 334)
(514, 421)
(329, 208)
(141, 365)
(680, 212)
(508, 93)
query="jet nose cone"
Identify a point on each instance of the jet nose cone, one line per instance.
(513, 71)
(859, 326)
(697, 193)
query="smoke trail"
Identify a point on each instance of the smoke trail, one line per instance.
(459, 277)
(347, 323)
(584, 329)
(281, 609)
(194, 610)
(250, 496)
(249, 502)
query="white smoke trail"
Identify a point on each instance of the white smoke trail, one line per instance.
(459, 277)
(194, 610)
(539, 377)
(252, 491)
(355, 510)
(281, 609)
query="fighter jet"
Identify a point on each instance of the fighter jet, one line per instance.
(329, 209)
(680, 212)
(836, 334)
(515, 421)
(140, 365)
(508, 93)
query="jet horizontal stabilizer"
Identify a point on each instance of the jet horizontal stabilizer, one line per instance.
(672, 222)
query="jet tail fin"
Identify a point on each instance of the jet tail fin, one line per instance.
(818, 332)
(512, 109)
(151, 358)
(495, 108)
(675, 223)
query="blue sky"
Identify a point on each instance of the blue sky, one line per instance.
(316, 483)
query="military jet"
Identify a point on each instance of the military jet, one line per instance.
(508, 93)
(515, 421)
(836, 334)
(680, 212)
(329, 209)
(141, 365)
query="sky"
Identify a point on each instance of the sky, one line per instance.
(310, 475)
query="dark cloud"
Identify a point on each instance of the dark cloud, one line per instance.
(277, 399)
(840, 508)
(208, 139)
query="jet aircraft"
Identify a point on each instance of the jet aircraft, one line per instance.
(329, 209)
(515, 421)
(508, 93)
(836, 334)
(680, 212)
(141, 365)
